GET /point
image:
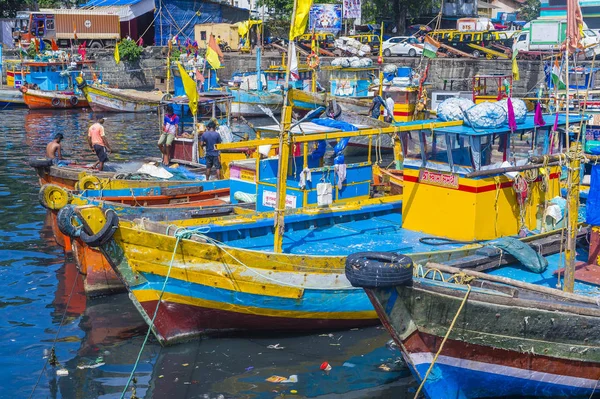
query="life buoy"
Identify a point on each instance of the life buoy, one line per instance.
(55, 102)
(88, 182)
(313, 61)
(65, 221)
(105, 233)
(74, 100)
(53, 197)
(379, 269)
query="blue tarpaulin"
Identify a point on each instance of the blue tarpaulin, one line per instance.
(178, 17)
(593, 200)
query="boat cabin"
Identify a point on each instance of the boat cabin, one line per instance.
(493, 87)
(16, 73)
(351, 82)
(54, 76)
(206, 82)
(453, 176)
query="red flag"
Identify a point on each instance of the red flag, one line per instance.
(54, 45)
(574, 25)
(81, 50)
(212, 43)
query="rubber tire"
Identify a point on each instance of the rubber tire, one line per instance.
(105, 233)
(336, 111)
(476, 54)
(412, 52)
(55, 102)
(74, 101)
(64, 221)
(387, 52)
(40, 163)
(379, 270)
(88, 182)
(48, 197)
(96, 45)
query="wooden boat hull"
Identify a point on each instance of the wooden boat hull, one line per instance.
(39, 99)
(248, 102)
(306, 101)
(501, 345)
(10, 98)
(114, 100)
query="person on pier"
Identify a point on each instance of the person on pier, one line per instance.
(170, 127)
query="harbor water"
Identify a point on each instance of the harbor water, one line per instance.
(98, 340)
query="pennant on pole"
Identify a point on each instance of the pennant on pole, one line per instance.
(298, 26)
(117, 55)
(191, 90)
(294, 75)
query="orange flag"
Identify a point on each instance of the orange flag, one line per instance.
(37, 45)
(53, 45)
(212, 43)
(74, 31)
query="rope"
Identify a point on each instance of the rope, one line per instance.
(443, 341)
(178, 235)
(55, 337)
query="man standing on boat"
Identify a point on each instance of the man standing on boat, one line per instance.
(98, 142)
(209, 139)
(170, 126)
(388, 113)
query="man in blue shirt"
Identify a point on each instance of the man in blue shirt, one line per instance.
(209, 139)
(375, 109)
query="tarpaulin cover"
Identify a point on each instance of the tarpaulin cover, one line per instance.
(343, 126)
(178, 17)
(593, 200)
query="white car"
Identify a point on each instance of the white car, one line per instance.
(402, 45)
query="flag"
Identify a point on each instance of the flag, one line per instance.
(191, 90)
(512, 122)
(212, 43)
(117, 55)
(299, 24)
(81, 50)
(54, 46)
(314, 45)
(555, 126)
(42, 45)
(74, 31)
(556, 76)
(430, 47)
(538, 118)
(574, 25)
(212, 55)
(36, 44)
(515, 66)
(294, 75)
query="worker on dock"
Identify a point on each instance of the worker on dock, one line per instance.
(170, 127)
(212, 155)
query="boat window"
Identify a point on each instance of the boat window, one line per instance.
(411, 147)
(202, 35)
(50, 24)
(460, 148)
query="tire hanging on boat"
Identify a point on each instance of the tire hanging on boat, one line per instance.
(105, 233)
(64, 220)
(74, 101)
(53, 197)
(55, 102)
(379, 269)
(88, 182)
(40, 162)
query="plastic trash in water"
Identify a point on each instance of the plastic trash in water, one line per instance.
(279, 379)
(62, 372)
(326, 367)
(276, 346)
(348, 364)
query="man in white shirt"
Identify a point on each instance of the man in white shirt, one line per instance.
(389, 105)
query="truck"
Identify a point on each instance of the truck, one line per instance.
(548, 35)
(474, 24)
(97, 30)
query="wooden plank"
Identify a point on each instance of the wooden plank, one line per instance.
(173, 191)
(455, 51)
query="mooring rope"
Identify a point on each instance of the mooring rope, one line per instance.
(55, 338)
(444, 341)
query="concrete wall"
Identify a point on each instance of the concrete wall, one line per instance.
(444, 73)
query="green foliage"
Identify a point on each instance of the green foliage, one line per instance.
(9, 8)
(31, 52)
(530, 10)
(130, 51)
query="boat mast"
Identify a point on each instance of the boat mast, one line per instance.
(284, 149)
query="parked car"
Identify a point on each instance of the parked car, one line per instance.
(402, 45)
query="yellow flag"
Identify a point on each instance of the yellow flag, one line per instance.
(117, 56)
(515, 67)
(191, 91)
(299, 24)
(213, 58)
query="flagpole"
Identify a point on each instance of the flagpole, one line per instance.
(567, 98)
(284, 151)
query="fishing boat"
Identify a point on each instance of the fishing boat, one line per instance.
(51, 84)
(10, 95)
(102, 98)
(241, 273)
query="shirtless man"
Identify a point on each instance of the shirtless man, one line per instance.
(53, 149)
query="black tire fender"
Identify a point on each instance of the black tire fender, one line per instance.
(55, 102)
(333, 110)
(74, 100)
(379, 269)
(64, 220)
(105, 233)
(40, 162)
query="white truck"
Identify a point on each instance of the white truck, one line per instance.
(549, 35)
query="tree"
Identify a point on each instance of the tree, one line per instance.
(396, 12)
(530, 10)
(9, 8)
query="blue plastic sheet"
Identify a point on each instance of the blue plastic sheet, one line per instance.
(343, 126)
(593, 200)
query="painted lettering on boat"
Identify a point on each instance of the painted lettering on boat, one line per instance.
(270, 199)
(438, 178)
